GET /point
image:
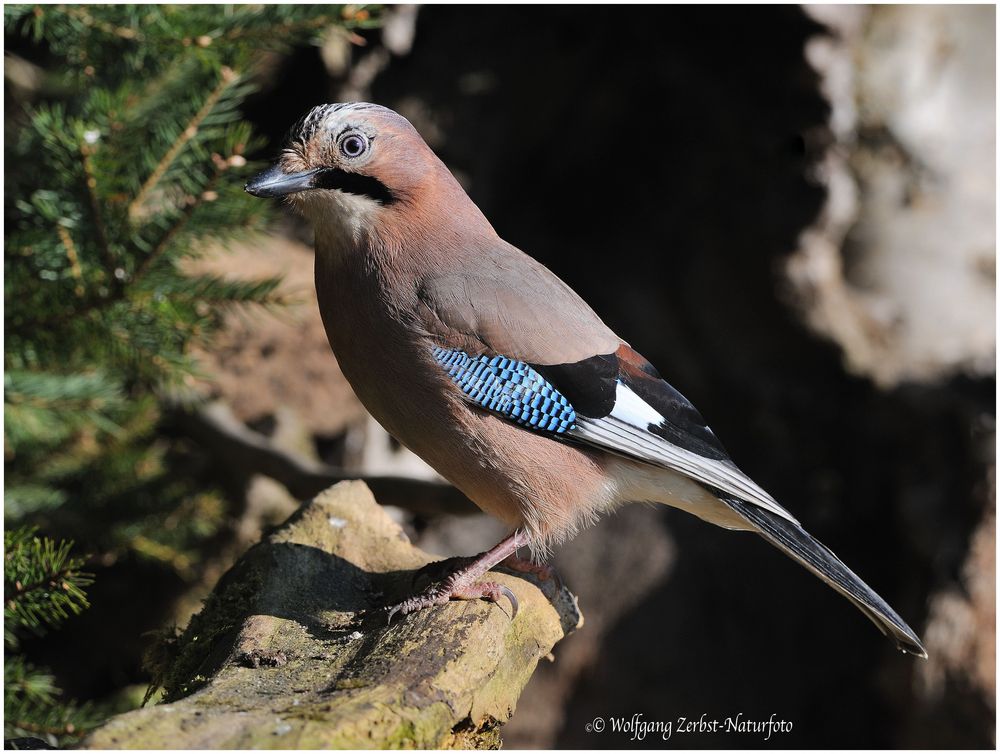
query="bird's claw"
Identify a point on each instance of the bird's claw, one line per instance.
(509, 594)
(493, 592)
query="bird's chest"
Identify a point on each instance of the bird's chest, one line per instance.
(389, 363)
(380, 352)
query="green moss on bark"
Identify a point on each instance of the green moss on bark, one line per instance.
(292, 650)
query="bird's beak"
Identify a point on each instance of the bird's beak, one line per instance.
(275, 182)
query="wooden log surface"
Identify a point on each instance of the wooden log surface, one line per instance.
(292, 649)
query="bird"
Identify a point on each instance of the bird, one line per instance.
(488, 366)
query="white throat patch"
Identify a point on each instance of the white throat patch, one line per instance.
(339, 218)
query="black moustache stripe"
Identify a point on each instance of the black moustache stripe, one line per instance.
(353, 183)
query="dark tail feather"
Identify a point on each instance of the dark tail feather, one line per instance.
(795, 541)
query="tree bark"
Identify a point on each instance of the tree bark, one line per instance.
(292, 649)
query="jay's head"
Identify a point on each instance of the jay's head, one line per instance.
(355, 158)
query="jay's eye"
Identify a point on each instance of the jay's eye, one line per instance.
(353, 145)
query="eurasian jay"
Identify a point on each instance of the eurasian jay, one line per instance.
(489, 367)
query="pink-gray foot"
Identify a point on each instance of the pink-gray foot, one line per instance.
(464, 584)
(455, 589)
(542, 571)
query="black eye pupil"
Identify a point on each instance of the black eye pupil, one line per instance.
(352, 146)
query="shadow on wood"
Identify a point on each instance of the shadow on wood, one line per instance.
(292, 649)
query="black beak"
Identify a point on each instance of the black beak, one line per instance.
(275, 182)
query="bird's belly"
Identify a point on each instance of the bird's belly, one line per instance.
(640, 481)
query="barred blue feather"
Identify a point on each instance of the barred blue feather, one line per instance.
(510, 388)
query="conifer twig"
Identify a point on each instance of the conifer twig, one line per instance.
(174, 229)
(38, 401)
(91, 182)
(228, 78)
(52, 579)
(285, 29)
(74, 259)
(119, 31)
(69, 729)
(161, 246)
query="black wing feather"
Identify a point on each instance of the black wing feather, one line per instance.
(795, 541)
(591, 386)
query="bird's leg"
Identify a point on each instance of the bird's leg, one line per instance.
(463, 583)
(542, 571)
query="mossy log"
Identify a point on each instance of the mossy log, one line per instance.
(292, 649)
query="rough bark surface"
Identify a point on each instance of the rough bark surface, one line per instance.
(292, 649)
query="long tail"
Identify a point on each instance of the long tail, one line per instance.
(793, 540)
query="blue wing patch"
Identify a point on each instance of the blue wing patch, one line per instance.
(510, 388)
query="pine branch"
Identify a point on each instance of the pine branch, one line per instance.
(134, 155)
(81, 13)
(292, 28)
(221, 291)
(90, 180)
(28, 682)
(43, 585)
(20, 500)
(61, 723)
(228, 78)
(52, 580)
(67, 729)
(182, 220)
(32, 704)
(73, 257)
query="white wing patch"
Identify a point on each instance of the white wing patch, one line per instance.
(625, 431)
(632, 409)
